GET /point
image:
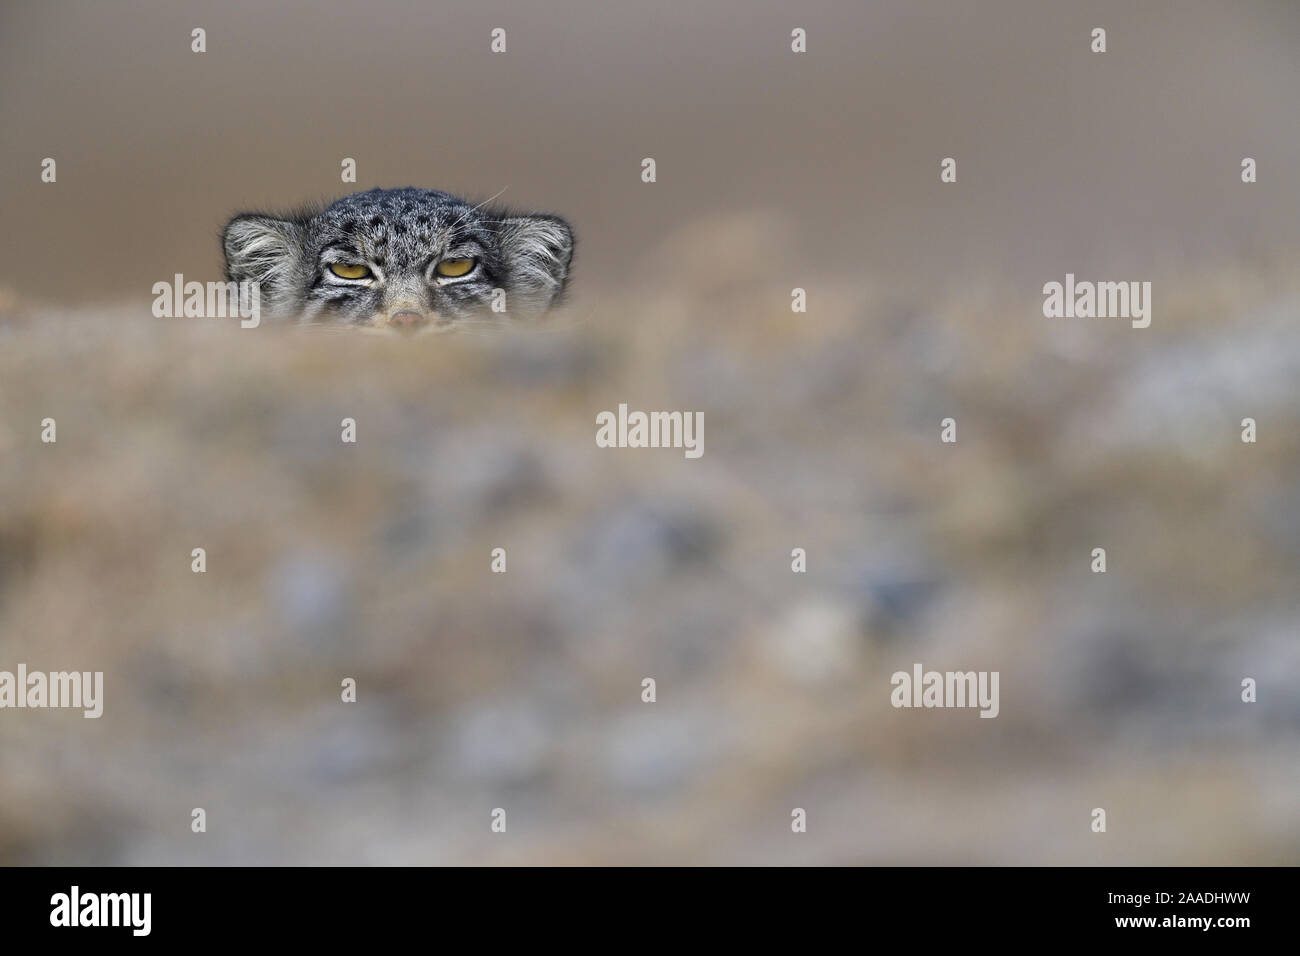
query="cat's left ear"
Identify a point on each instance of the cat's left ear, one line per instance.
(537, 250)
(263, 249)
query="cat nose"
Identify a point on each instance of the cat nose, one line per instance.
(406, 320)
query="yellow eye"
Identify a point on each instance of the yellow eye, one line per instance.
(349, 272)
(452, 268)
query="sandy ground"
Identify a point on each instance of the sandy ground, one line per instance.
(522, 690)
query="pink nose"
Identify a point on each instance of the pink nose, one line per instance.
(406, 319)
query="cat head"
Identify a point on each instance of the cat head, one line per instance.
(411, 260)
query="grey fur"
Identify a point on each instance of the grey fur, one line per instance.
(399, 235)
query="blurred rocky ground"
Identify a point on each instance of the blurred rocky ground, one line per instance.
(523, 690)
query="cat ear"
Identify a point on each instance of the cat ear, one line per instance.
(262, 249)
(537, 250)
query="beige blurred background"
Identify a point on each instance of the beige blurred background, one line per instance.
(522, 690)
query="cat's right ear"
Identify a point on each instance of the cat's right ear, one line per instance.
(262, 249)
